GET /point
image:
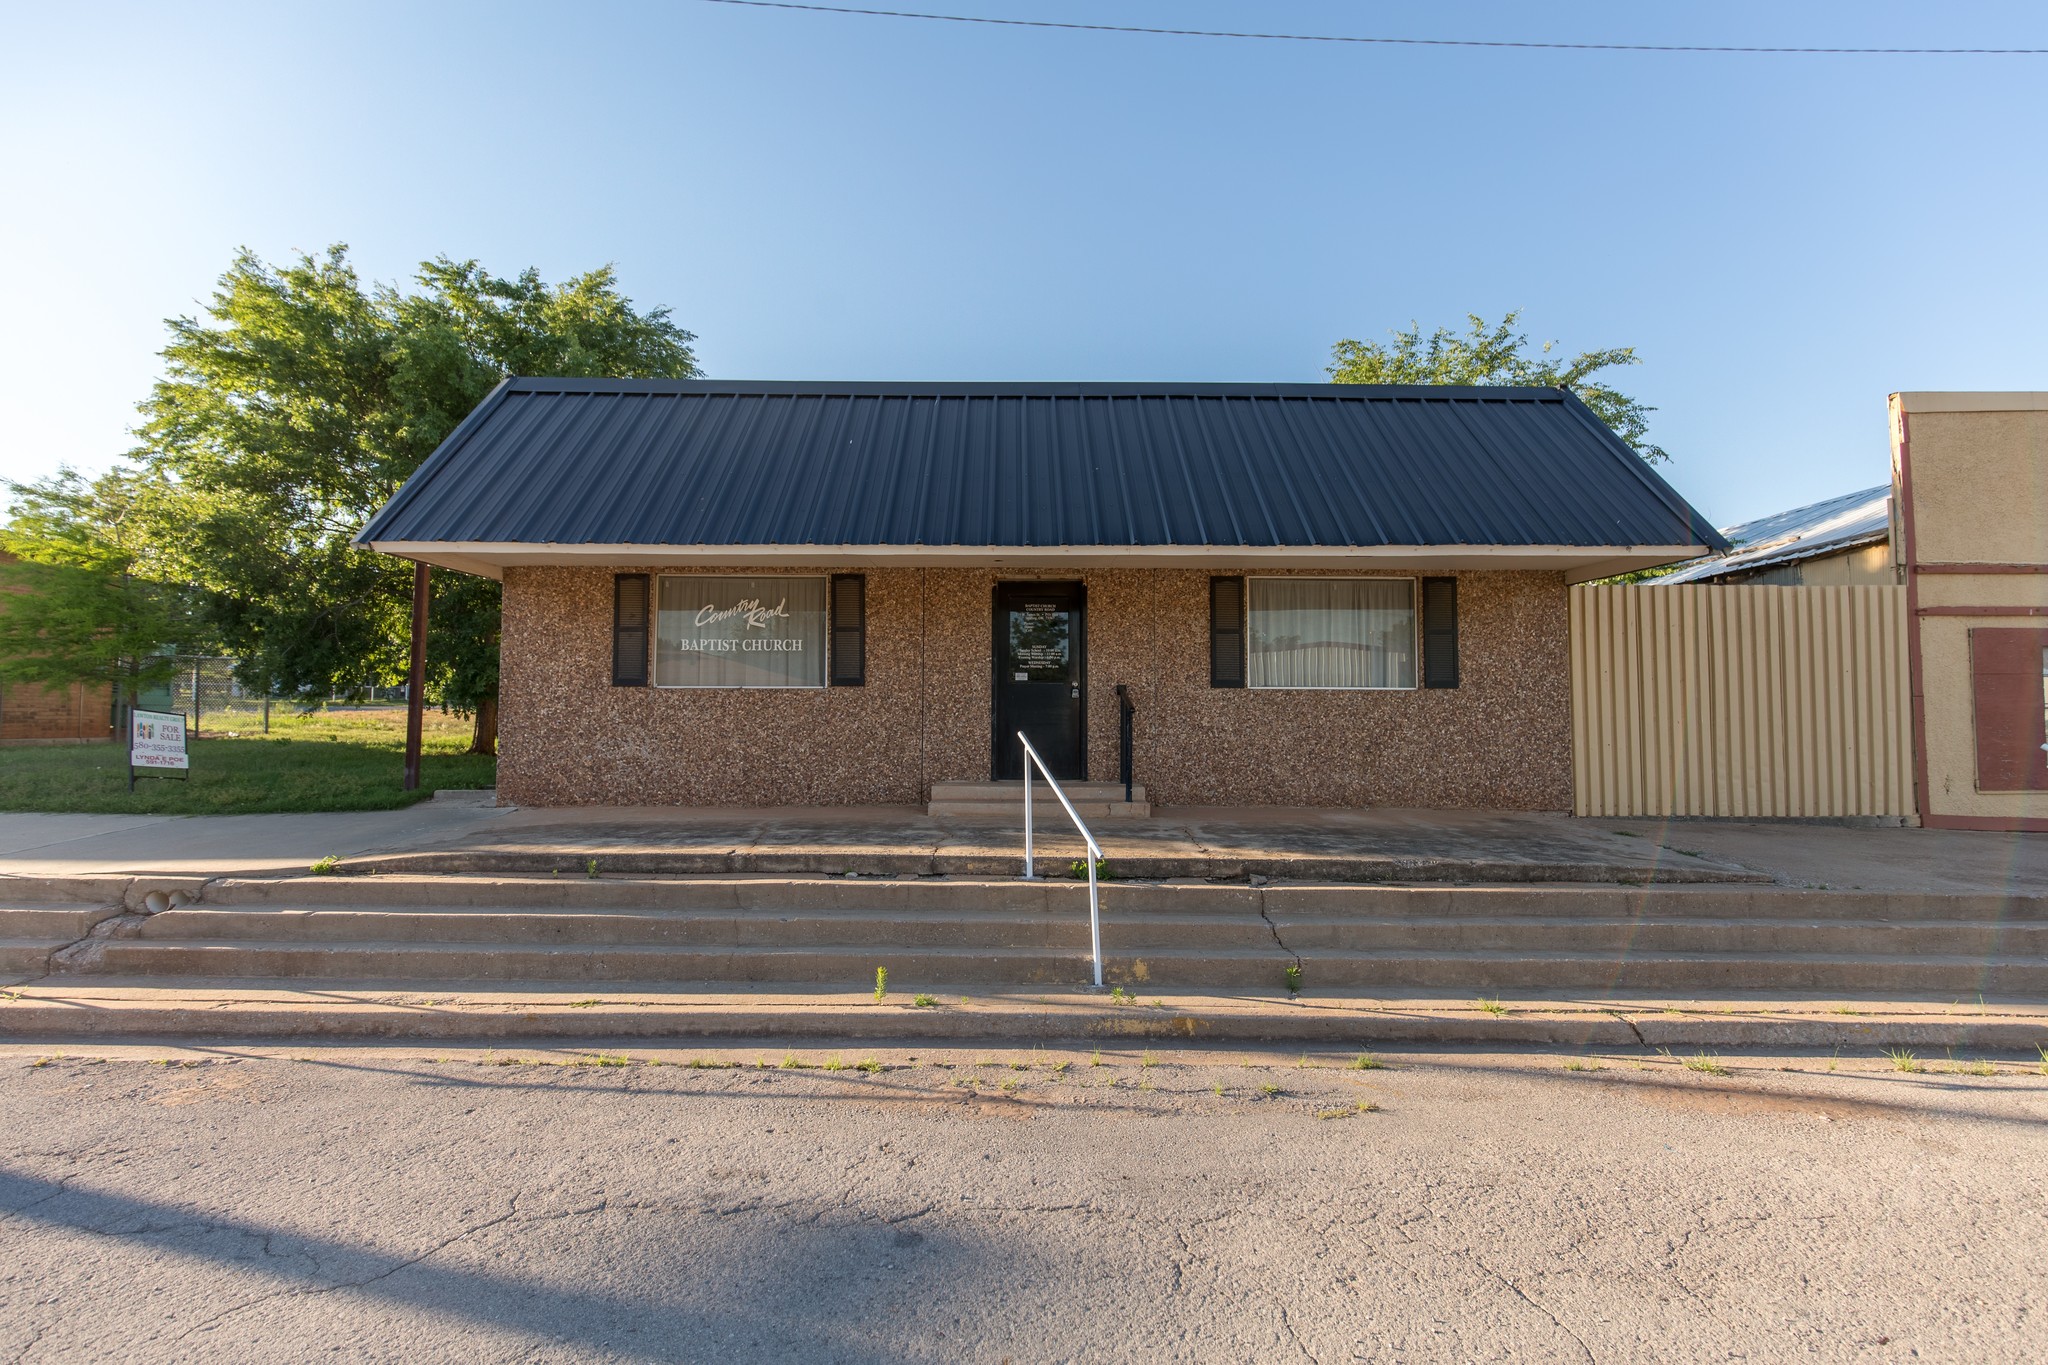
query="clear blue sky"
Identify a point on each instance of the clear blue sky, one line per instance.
(1784, 239)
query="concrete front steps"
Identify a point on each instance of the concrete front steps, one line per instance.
(41, 916)
(939, 933)
(1005, 801)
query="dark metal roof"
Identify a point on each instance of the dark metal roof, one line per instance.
(713, 463)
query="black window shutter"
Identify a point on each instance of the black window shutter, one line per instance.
(1439, 632)
(1226, 632)
(849, 630)
(629, 630)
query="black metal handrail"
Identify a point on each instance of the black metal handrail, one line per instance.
(1125, 710)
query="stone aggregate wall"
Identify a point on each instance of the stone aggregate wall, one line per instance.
(1502, 739)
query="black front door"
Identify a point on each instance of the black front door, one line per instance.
(1041, 676)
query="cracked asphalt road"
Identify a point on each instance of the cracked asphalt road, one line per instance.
(285, 1204)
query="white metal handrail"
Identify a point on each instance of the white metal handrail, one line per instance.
(1094, 849)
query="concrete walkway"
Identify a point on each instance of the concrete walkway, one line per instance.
(222, 845)
(1354, 845)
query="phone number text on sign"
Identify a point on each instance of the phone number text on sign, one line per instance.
(157, 740)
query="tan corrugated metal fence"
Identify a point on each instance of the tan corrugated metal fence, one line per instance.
(1702, 699)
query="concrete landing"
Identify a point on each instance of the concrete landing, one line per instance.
(1214, 843)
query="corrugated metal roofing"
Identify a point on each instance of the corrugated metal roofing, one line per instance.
(1821, 528)
(706, 463)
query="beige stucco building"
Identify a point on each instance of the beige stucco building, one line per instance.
(1971, 474)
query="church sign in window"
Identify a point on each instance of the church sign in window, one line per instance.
(734, 631)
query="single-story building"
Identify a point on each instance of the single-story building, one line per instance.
(769, 593)
(1844, 541)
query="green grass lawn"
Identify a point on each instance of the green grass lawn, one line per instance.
(343, 759)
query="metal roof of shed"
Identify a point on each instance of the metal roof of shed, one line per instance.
(1821, 528)
(561, 470)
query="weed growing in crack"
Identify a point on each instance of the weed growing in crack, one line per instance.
(1493, 1007)
(326, 867)
(1706, 1063)
(590, 869)
(1904, 1060)
(1095, 1057)
(881, 983)
(584, 1004)
(835, 1063)
(1365, 1061)
(1362, 1107)
(1292, 977)
(1269, 1089)
(925, 1002)
(1577, 1064)
(1979, 1068)
(1147, 1059)
(792, 1062)
(1119, 996)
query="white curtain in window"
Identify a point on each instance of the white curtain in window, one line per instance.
(1332, 632)
(739, 632)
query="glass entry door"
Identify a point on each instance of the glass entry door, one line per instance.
(1041, 677)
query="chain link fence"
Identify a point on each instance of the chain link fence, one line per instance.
(205, 689)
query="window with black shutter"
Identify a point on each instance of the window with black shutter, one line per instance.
(849, 630)
(629, 630)
(1226, 632)
(1439, 632)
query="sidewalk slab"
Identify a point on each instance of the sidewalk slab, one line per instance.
(82, 1008)
(1363, 844)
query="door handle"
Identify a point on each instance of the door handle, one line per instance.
(1076, 694)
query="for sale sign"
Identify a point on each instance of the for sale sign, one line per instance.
(156, 739)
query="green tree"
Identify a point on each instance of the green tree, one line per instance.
(295, 408)
(1497, 354)
(76, 601)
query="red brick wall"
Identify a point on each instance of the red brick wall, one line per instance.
(80, 711)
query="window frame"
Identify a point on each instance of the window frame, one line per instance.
(1414, 582)
(824, 682)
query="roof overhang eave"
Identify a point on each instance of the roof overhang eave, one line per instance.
(1579, 563)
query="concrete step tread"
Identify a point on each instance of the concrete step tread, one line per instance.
(1086, 809)
(1635, 1024)
(1162, 953)
(1164, 914)
(1013, 791)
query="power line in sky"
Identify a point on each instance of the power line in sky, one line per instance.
(1395, 42)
